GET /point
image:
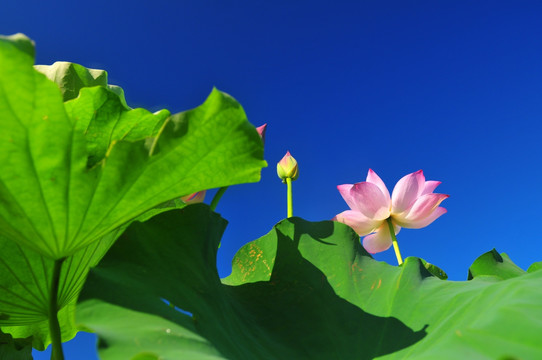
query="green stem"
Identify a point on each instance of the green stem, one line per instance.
(289, 197)
(217, 197)
(54, 327)
(394, 242)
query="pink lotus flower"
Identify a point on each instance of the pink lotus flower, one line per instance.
(412, 205)
(194, 198)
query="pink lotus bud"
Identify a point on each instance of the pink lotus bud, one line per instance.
(287, 168)
(194, 198)
(261, 131)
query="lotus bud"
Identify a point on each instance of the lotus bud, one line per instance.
(261, 131)
(287, 168)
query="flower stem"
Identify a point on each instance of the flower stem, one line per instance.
(289, 197)
(54, 327)
(217, 197)
(394, 242)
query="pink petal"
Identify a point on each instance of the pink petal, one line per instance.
(286, 159)
(379, 241)
(357, 221)
(344, 190)
(423, 207)
(406, 191)
(372, 177)
(370, 200)
(261, 131)
(418, 224)
(430, 186)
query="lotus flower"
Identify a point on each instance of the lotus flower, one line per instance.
(194, 198)
(412, 205)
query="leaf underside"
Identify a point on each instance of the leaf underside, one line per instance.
(25, 288)
(74, 171)
(78, 165)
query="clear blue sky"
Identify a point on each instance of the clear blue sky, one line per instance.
(450, 87)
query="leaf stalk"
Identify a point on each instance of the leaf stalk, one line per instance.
(54, 327)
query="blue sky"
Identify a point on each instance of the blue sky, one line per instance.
(450, 87)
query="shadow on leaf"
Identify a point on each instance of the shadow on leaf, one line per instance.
(289, 312)
(299, 309)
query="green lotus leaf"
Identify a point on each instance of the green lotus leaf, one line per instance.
(71, 78)
(494, 264)
(304, 290)
(434, 270)
(288, 310)
(74, 171)
(110, 121)
(534, 267)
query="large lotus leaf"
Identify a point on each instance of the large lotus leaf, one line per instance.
(303, 291)
(294, 315)
(62, 189)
